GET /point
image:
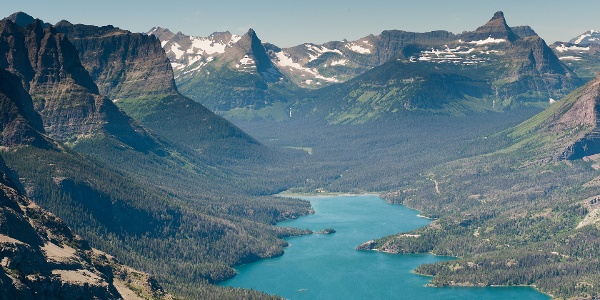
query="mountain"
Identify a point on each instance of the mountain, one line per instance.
(133, 70)
(581, 54)
(491, 68)
(313, 66)
(42, 257)
(206, 68)
(62, 91)
(121, 63)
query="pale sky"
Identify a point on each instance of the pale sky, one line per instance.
(288, 23)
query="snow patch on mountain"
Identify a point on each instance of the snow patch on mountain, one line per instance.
(283, 60)
(176, 49)
(466, 53)
(570, 57)
(318, 51)
(341, 62)
(286, 61)
(246, 61)
(188, 54)
(563, 48)
(209, 46)
(358, 48)
(489, 40)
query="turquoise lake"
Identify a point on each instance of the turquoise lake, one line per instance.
(327, 266)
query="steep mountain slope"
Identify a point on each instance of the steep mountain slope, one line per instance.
(581, 53)
(41, 257)
(20, 124)
(206, 69)
(566, 130)
(471, 73)
(132, 69)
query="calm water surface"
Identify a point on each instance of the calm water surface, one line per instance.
(327, 266)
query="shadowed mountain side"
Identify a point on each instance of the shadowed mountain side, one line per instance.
(20, 124)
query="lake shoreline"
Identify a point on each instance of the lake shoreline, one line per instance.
(354, 208)
(419, 215)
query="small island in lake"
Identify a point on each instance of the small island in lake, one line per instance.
(326, 231)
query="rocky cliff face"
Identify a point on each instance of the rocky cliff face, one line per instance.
(537, 71)
(43, 259)
(121, 63)
(63, 92)
(581, 117)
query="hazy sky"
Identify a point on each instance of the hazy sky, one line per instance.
(289, 23)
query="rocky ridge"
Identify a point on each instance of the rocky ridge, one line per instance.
(568, 129)
(586, 38)
(62, 91)
(121, 63)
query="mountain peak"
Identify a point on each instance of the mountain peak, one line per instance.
(496, 28)
(586, 38)
(498, 15)
(23, 20)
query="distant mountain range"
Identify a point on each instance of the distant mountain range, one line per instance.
(491, 68)
(509, 63)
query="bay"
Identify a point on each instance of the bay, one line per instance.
(323, 266)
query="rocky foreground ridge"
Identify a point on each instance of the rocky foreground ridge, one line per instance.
(43, 259)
